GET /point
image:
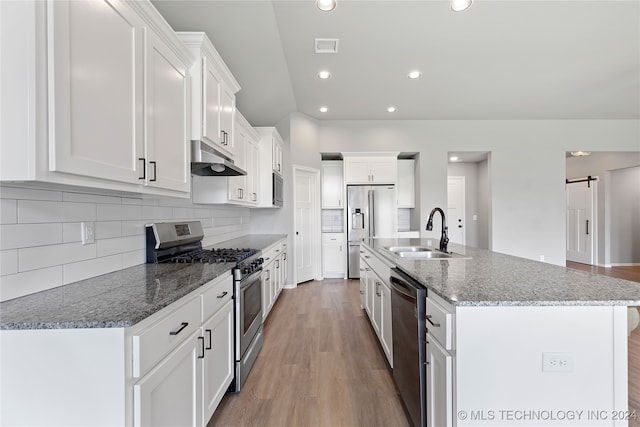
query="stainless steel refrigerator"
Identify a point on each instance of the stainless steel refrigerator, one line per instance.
(371, 212)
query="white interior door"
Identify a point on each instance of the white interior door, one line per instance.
(456, 209)
(580, 224)
(305, 205)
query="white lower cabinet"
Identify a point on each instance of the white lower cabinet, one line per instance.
(333, 255)
(168, 395)
(274, 274)
(376, 298)
(217, 364)
(439, 385)
(170, 369)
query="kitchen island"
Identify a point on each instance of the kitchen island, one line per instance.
(515, 342)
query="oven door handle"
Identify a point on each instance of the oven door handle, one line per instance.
(246, 281)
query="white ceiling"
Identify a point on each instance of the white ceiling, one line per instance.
(499, 60)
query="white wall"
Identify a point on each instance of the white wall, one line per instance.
(527, 167)
(601, 165)
(625, 216)
(40, 240)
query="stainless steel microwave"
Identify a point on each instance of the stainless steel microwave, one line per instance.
(277, 190)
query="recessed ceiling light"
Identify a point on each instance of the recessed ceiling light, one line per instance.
(454, 158)
(324, 75)
(326, 5)
(392, 109)
(415, 74)
(460, 5)
(580, 153)
(323, 109)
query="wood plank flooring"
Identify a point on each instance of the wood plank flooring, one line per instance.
(628, 273)
(320, 365)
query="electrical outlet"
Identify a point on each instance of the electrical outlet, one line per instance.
(542, 258)
(557, 362)
(88, 233)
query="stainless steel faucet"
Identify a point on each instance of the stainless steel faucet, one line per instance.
(444, 238)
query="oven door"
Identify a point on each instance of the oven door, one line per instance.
(248, 311)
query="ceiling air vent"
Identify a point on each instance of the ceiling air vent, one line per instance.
(326, 45)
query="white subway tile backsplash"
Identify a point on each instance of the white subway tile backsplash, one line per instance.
(90, 268)
(157, 213)
(129, 259)
(8, 211)
(118, 212)
(20, 284)
(8, 262)
(108, 229)
(71, 232)
(133, 228)
(90, 198)
(120, 244)
(40, 240)
(48, 256)
(13, 236)
(31, 211)
(21, 193)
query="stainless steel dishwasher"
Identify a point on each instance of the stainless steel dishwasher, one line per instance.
(408, 301)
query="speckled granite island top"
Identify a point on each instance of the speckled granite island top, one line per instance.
(485, 278)
(118, 299)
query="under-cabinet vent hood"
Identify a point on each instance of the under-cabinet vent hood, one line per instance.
(206, 161)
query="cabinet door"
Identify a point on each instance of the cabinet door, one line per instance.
(95, 89)
(439, 385)
(275, 283)
(386, 334)
(277, 155)
(252, 171)
(384, 170)
(167, 139)
(266, 291)
(333, 256)
(376, 319)
(218, 363)
(285, 266)
(226, 118)
(169, 395)
(356, 170)
(332, 185)
(406, 183)
(238, 184)
(211, 104)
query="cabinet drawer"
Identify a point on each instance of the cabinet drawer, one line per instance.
(216, 296)
(382, 269)
(151, 344)
(332, 238)
(440, 323)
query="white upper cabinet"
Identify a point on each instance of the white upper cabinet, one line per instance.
(105, 101)
(332, 185)
(167, 148)
(270, 158)
(370, 168)
(96, 88)
(213, 95)
(406, 183)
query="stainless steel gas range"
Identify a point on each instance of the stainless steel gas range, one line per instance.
(181, 242)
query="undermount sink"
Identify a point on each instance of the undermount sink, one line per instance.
(408, 249)
(421, 252)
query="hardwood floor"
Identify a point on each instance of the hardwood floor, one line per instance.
(320, 365)
(629, 273)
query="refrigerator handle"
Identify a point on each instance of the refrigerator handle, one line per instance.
(372, 213)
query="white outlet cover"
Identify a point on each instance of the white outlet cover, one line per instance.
(87, 233)
(557, 362)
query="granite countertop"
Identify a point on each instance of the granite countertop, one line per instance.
(119, 299)
(485, 278)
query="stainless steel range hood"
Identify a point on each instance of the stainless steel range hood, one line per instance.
(206, 161)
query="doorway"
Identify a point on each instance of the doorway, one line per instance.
(456, 209)
(306, 223)
(581, 223)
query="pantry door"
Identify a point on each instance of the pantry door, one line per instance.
(306, 223)
(456, 209)
(580, 223)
